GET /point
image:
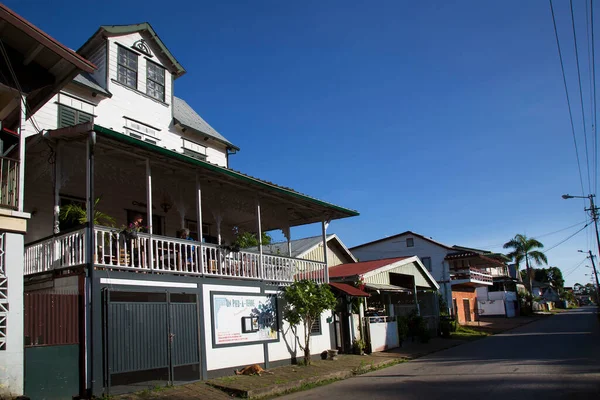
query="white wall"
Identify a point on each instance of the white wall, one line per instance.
(126, 103)
(11, 359)
(227, 357)
(396, 247)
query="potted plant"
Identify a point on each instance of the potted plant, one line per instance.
(358, 346)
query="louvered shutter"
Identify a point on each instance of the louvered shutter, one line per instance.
(83, 117)
(66, 117)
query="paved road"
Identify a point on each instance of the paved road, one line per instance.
(554, 358)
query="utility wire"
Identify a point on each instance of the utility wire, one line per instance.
(567, 238)
(562, 66)
(587, 157)
(574, 269)
(595, 126)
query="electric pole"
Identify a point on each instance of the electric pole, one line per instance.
(594, 213)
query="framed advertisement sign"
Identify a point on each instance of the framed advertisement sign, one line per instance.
(239, 319)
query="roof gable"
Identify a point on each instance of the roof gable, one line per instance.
(367, 269)
(301, 247)
(143, 28)
(411, 233)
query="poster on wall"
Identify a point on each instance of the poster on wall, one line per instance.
(243, 318)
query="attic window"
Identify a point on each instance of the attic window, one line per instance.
(127, 67)
(141, 46)
(410, 242)
(155, 84)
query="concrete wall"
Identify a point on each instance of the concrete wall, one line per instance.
(11, 359)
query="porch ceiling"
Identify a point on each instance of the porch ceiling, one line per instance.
(230, 193)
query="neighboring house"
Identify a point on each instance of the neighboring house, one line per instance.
(457, 270)
(158, 307)
(33, 68)
(399, 286)
(311, 248)
(545, 290)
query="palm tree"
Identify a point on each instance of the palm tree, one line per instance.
(524, 249)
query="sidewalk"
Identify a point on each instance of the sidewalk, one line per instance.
(294, 377)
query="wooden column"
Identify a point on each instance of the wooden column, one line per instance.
(324, 225)
(149, 250)
(259, 237)
(57, 185)
(22, 134)
(199, 223)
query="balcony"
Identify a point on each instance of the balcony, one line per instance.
(9, 183)
(153, 254)
(470, 276)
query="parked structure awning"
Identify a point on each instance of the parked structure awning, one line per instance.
(349, 289)
(382, 287)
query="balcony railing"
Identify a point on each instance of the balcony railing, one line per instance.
(471, 274)
(141, 252)
(9, 183)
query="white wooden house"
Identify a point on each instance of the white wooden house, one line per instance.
(119, 134)
(311, 248)
(457, 271)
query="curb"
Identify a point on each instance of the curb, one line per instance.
(281, 389)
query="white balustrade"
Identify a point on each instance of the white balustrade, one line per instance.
(61, 251)
(118, 250)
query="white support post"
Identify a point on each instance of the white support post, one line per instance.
(288, 235)
(199, 223)
(150, 248)
(324, 225)
(22, 134)
(57, 186)
(259, 237)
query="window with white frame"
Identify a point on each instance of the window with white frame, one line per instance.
(141, 131)
(193, 149)
(155, 83)
(316, 327)
(127, 67)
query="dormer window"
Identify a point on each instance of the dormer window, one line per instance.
(127, 68)
(155, 84)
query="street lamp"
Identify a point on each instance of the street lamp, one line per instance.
(594, 213)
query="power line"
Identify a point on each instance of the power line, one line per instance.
(562, 67)
(595, 126)
(567, 238)
(574, 269)
(587, 157)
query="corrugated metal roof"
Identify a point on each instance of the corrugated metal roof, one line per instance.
(361, 268)
(87, 80)
(185, 116)
(349, 289)
(299, 246)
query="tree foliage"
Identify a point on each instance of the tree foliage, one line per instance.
(551, 275)
(525, 249)
(245, 240)
(305, 301)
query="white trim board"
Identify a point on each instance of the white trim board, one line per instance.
(137, 282)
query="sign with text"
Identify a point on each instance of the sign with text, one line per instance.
(243, 318)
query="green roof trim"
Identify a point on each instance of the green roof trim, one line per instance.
(145, 26)
(225, 171)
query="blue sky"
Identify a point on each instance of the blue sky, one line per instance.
(446, 119)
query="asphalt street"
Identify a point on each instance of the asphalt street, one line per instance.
(557, 357)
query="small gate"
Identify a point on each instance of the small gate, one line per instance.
(52, 352)
(152, 339)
